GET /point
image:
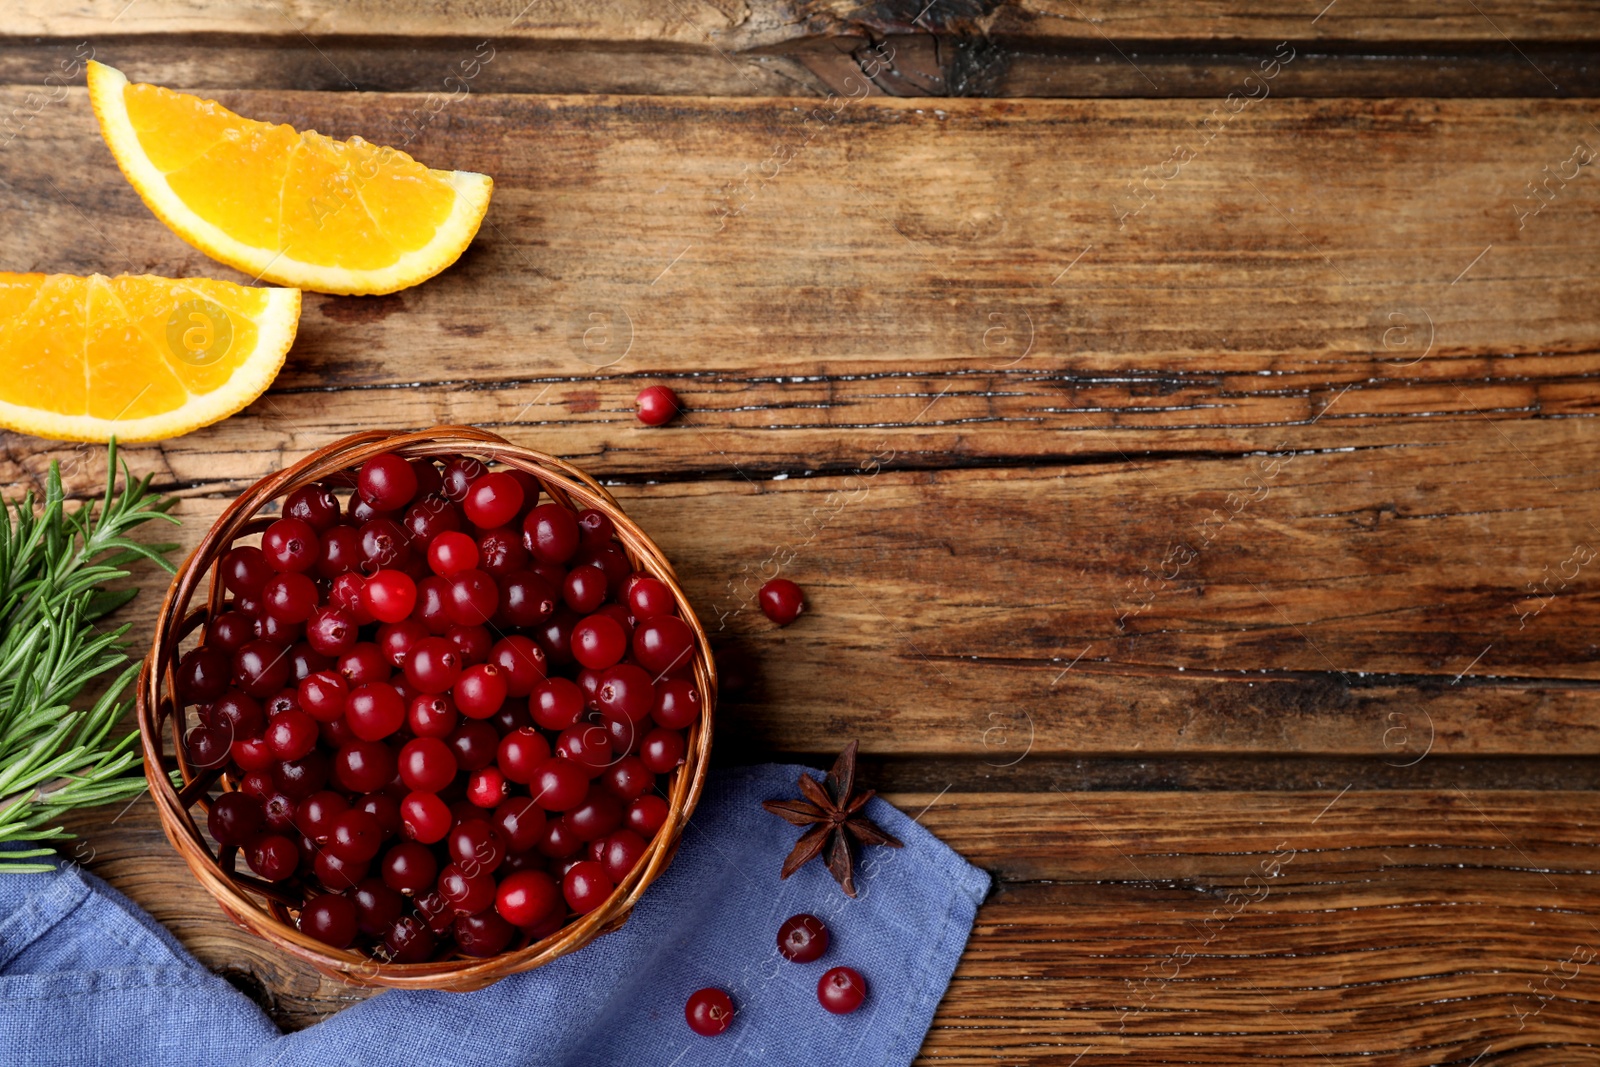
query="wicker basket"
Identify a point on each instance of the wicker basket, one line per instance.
(265, 909)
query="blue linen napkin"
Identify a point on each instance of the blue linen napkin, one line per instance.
(87, 978)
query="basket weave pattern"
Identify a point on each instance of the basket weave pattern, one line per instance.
(267, 910)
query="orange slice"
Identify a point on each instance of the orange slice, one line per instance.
(293, 208)
(137, 356)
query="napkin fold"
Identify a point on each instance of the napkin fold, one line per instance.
(86, 977)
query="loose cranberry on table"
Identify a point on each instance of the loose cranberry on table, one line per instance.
(802, 939)
(782, 601)
(657, 405)
(709, 1012)
(842, 990)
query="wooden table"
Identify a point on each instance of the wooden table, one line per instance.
(1177, 414)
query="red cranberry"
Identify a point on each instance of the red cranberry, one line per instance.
(501, 551)
(647, 815)
(475, 745)
(657, 405)
(331, 919)
(374, 711)
(348, 594)
(557, 841)
(432, 715)
(520, 754)
(384, 543)
(290, 545)
(340, 552)
(432, 593)
(386, 482)
(626, 691)
(331, 631)
(522, 661)
(273, 857)
(336, 873)
(584, 589)
(487, 787)
(842, 990)
(291, 735)
(451, 553)
(662, 750)
(408, 941)
(235, 819)
(598, 815)
(228, 632)
(301, 777)
(314, 815)
(429, 518)
(427, 765)
(435, 911)
(586, 886)
(598, 642)
(424, 817)
(559, 784)
(526, 599)
(649, 597)
(628, 779)
(709, 1011)
(364, 664)
(467, 893)
(480, 691)
(782, 601)
(677, 704)
(802, 938)
(520, 822)
(239, 715)
(390, 595)
(279, 810)
(459, 474)
(556, 703)
(384, 808)
(289, 597)
(356, 836)
(493, 500)
(377, 906)
(587, 745)
(663, 643)
(409, 868)
(363, 766)
(621, 852)
(595, 528)
(244, 570)
(252, 755)
(275, 628)
(261, 668)
(526, 898)
(475, 846)
(433, 665)
(395, 640)
(203, 674)
(551, 533)
(471, 599)
(314, 505)
(482, 935)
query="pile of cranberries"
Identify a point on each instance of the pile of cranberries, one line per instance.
(445, 708)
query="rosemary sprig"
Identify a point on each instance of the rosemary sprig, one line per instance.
(54, 567)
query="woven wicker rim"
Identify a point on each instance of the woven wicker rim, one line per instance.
(258, 907)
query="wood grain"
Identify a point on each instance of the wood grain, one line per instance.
(1188, 928)
(782, 47)
(938, 283)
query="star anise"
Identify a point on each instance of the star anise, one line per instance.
(834, 815)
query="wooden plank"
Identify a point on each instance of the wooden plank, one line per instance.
(936, 278)
(782, 48)
(1349, 611)
(1176, 927)
(767, 23)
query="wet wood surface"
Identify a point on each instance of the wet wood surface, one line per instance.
(1194, 493)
